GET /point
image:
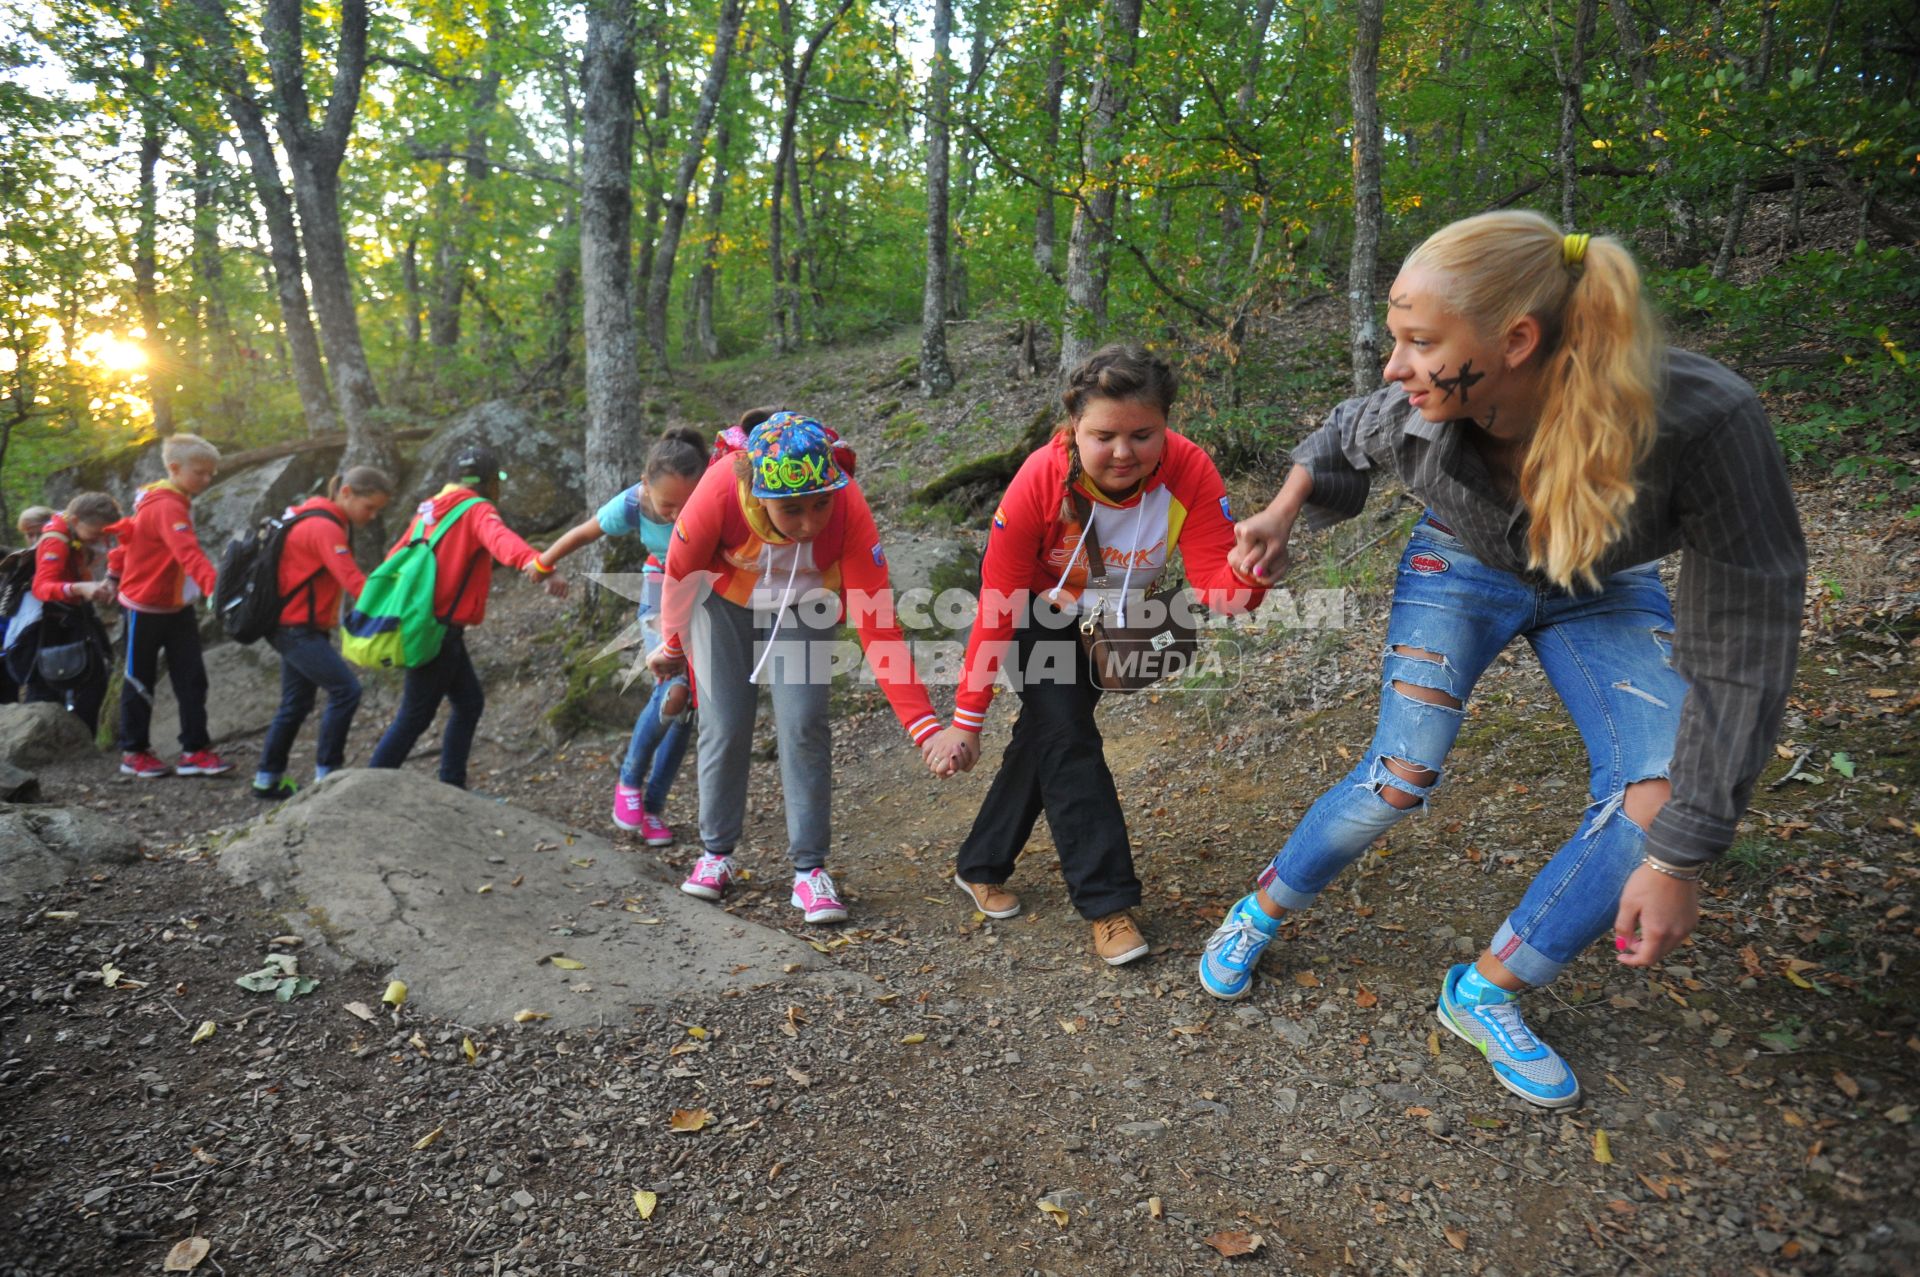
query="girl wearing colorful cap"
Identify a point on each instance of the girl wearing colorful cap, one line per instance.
(774, 543)
(1146, 491)
(661, 732)
(1561, 451)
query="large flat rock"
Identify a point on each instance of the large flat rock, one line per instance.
(43, 846)
(388, 868)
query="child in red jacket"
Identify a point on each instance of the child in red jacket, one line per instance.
(761, 558)
(61, 611)
(462, 577)
(316, 570)
(162, 572)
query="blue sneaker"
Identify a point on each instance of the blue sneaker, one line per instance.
(1233, 951)
(1521, 1062)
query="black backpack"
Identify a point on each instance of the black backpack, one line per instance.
(246, 594)
(16, 580)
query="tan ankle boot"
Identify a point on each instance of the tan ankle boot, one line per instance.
(989, 898)
(1117, 939)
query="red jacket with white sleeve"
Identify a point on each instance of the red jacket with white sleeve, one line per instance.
(59, 562)
(1032, 551)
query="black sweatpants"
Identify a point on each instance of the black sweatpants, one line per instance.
(178, 635)
(1056, 763)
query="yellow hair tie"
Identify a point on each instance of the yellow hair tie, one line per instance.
(1573, 249)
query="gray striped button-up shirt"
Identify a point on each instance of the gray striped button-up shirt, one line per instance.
(1713, 487)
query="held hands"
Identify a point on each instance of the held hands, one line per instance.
(951, 750)
(663, 665)
(99, 593)
(1259, 553)
(1657, 912)
(554, 585)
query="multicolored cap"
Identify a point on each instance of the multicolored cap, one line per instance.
(792, 456)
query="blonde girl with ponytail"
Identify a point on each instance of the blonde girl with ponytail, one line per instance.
(1561, 449)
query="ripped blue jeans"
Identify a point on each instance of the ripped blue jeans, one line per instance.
(1607, 655)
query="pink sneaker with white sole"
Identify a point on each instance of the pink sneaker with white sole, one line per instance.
(711, 877)
(654, 831)
(814, 895)
(627, 812)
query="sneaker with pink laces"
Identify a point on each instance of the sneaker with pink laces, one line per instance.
(143, 765)
(711, 877)
(814, 895)
(203, 762)
(626, 807)
(654, 831)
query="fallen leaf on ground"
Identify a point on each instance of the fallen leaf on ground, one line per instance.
(202, 1033)
(1366, 998)
(61, 915)
(360, 1009)
(426, 1141)
(110, 974)
(186, 1256)
(799, 1078)
(1306, 979)
(1235, 1242)
(1054, 1211)
(568, 964)
(1456, 1237)
(396, 994)
(913, 1039)
(644, 1202)
(1848, 1087)
(1602, 1149)
(467, 1049)
(697, 1033)
(528, 1017)
(689, 1120)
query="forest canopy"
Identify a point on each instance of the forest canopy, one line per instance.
(263, 219)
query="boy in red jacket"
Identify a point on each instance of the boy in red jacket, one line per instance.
(462, 576)
(162, 572)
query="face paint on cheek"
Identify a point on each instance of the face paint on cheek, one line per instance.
(1444, 387)
(1463, 381)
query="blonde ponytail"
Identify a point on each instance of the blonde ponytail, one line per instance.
(1599, 373)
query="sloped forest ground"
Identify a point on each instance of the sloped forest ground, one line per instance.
(1748, 1106)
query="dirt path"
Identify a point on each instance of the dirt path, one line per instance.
(1748, 1105)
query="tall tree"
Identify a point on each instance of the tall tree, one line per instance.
(1090, 241)
(216, 35)
(606, 248)
(660, 283)
(936, 374)
(1572, 74)
(161, 369)
(1056, 87)
(450, 258)
(1363, 86)
(704, 338)
(794, 74)
(314, 153)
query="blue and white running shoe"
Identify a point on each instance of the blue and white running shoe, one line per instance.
(1521, 1062)
(1233, 951)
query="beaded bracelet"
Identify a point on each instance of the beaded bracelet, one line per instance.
(1673, 871)
(542, 568)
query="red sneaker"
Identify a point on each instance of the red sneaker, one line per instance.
(142, 764)
(203, 762)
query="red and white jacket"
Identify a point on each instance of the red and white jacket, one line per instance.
(159, 562)
(1032, 551)
(60, 562)
(462, 571)
(723, 534)
(316, 565)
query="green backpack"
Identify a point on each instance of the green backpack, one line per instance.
(392, 623)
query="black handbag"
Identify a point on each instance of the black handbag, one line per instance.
(72, 647)
(1150, 638)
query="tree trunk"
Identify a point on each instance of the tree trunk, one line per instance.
(1043, 220)
(705, 339)
(1090, 240)
(160, 369)
(1230, 213)
(1572, 76)
(1640, 65)
(936, 374)
(655, 127)
(660, 285)
(1363, 80)
(455, 247)
(606, 252)
(314, 152)
(793, 80)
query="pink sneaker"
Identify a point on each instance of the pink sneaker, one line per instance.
(654, 831)
(711, 877)
(815, 897)
(626, 807)
(203, 762)
(142, 764)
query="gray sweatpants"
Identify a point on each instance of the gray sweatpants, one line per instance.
(725, 645)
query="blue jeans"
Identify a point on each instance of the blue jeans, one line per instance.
(1608, 656)
(449, 677)
(658, 746)
(308, 660)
